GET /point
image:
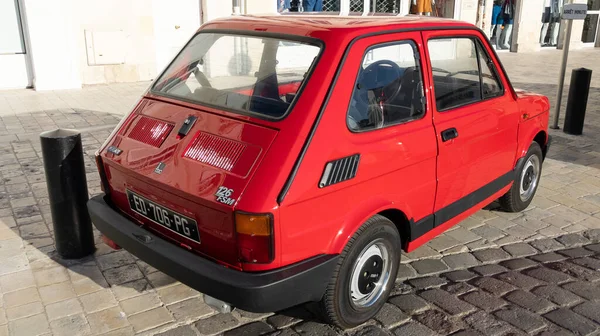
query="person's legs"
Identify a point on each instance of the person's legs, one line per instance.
(308, 5)
(286, 4)
(318, 5)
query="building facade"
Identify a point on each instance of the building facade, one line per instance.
(64, 44)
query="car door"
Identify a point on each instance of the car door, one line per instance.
(475, 118)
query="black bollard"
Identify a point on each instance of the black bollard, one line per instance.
(577, 103)
(67, 190)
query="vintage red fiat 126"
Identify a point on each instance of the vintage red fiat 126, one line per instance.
(290, 158)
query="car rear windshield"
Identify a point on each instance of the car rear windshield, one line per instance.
(248, 74)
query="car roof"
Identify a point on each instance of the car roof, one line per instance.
(330, 24)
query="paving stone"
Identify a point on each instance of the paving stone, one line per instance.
(519, 280)
(427, 282)
(493, 286)
(548, 275)
(15, 281)
(572, 240)
(460, 275)
(289, 317)
(521, 319)
(63, 308)
(138, 304)
(391, 316)
(99, 300)
(45, 277)
(185, 330)
(487, 325)
(518, 264)
(546, 245)
(488, 232)
(461, 260)
(447, 302)
(588, 309)
(487, 270)
(70, 325)
(593, 235)
(131, 289)
(25, 310)
(443, 242)
(439, 322)
(410, 303)
(107, 320)
(548, 257)
(150, 319)
(21, 297)
(593, 247)
(484, 300)
(260, 328)
(119, 275)
(414, 329)
(216, 324)
(529, 301)
(159, 279)
(369, 330)
(115, 259)
(519, 250)
(246, 316)
(458, 288)
(190, 310)
(33, 325)
(429, 266)
(491, 255)
(571, 321)
(575, 271)
(584, 289)
(176, 293)
(57, 292)
(405, 272)
(591, 263)
(576, 252)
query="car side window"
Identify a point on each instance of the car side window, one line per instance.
(489, 77)
(463, 72)
(388, 88)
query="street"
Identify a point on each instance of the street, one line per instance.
(496, 273)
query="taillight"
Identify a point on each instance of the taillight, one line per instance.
(254, 237)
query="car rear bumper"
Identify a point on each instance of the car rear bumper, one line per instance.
(256, 292)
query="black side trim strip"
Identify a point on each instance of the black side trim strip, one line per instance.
(418, 229)
(447, 213)
(290, 179)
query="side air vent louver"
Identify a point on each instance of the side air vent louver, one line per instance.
(339, 170)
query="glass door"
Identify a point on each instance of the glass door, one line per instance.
(14, 67)
(590, 24)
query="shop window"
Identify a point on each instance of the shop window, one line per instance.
(462, 72)
(388, 88)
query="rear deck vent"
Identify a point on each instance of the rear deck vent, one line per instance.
(340, 170)
(215, 151)
(150, 131)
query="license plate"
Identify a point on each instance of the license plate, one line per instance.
(178, 223)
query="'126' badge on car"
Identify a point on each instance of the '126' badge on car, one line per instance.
(223, 196)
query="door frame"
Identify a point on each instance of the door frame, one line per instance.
(24, 35)
(595, 43)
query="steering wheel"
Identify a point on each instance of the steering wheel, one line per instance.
(371, 75)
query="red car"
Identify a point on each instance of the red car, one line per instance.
(290, 158)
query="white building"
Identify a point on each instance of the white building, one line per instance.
(63, 44)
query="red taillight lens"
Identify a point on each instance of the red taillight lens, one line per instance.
(254, 237)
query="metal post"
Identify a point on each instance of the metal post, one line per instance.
(67, 192)
(563, 69)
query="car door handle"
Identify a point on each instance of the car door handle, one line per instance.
(449, 134)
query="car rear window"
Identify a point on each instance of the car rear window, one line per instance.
(249, 74)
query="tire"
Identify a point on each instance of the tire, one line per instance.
(373, 250)
(527, 179)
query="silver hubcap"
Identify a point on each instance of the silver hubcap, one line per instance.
(370, 274)
(529, 178)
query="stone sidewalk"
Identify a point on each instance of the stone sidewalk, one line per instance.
(113, 293)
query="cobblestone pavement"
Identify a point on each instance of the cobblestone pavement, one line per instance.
(113, 293)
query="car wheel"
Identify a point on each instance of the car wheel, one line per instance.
(526, 181)
(364, 275)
